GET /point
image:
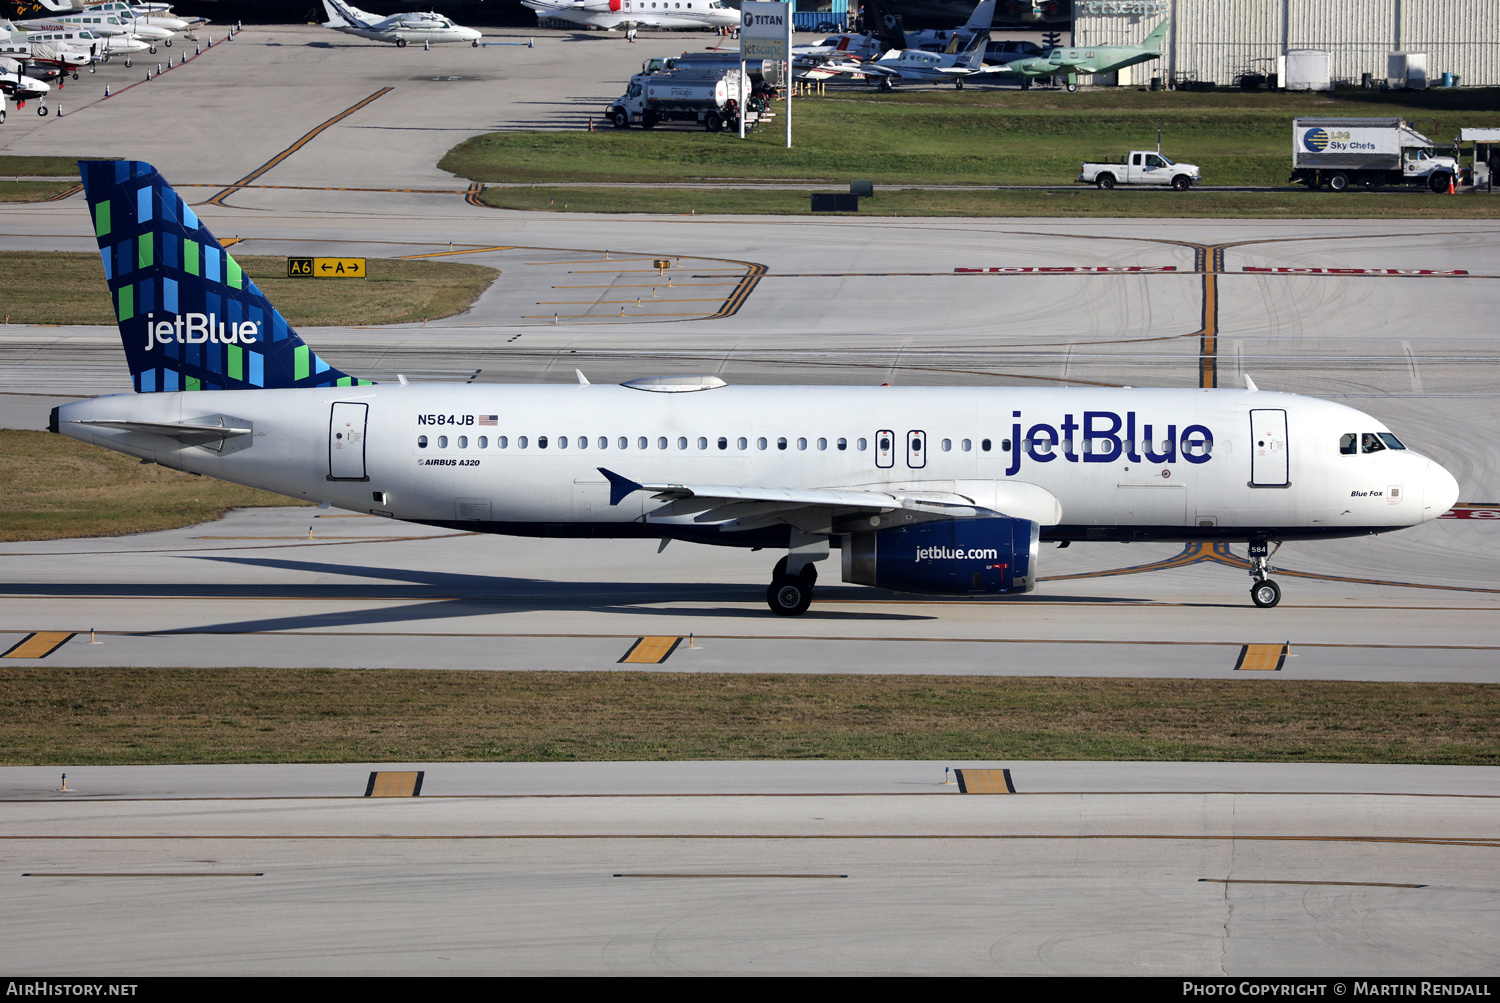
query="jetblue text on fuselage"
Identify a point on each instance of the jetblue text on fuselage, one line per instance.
(196, 328)
(1111, 437)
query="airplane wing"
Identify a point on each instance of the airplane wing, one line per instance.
(743, 508)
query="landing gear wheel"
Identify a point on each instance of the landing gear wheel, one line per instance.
(127, 64)
(2, 116)
(789, 595)
(41, 110)
(152, 50)
(475, 43)
(885, 84)
(1106, 181)
(75, 74)
(400, 43)
(958, 84)
(1072, 88)
(1025, 83)
(167, 43)
(809, 571)
(1265, 594)
(620, 119)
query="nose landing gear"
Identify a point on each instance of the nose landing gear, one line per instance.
(1265, 593)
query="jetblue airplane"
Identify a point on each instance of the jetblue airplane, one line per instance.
(936, 490)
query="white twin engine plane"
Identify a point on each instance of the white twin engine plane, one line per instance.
(936, 490)
(412, 26)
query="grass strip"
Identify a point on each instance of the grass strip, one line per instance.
(929, 135)
(59, 488)
(76, 716)
(33, 191)
(68, 287)
(1082, 202)
(63, 167)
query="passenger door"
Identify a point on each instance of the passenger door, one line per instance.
(346, 442)
(1270, 462)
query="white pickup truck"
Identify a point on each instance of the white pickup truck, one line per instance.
(1141, 167)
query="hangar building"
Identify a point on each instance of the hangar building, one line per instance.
(1223, 40)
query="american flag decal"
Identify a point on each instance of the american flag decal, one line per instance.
(489, 419)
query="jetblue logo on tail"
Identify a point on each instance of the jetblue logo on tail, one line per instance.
(189, 316)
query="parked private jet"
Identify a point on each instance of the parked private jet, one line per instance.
(936, 490)
(413, 26)
(611, 14)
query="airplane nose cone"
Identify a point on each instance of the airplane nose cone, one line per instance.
(1439, 490)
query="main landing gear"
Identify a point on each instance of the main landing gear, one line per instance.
(792, 581)
(1265, 593)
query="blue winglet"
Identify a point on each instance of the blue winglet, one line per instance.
(619, 486)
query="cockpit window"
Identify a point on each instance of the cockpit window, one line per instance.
(1370, 443)
(1390, 440)
(1349, 444)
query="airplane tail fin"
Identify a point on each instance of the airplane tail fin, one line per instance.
(1157, 37)
(887, 27)
(339, 16)
(983, 18)
(189, 317)
(974, 50)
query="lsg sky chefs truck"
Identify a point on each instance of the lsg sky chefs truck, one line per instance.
(1335, 153)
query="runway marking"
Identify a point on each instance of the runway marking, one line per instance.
(444, 254)
(39, 644)
(710, 875)
(650, 285)
(984, 782)
(639, 301)
(472, 193)
(1261, 658)
(742, 293)
(1289, 881)
(616, 317)
(1473, 510)
(1200, 551)
(649, 651)
(299, 144)
(65, 193)
(395, 784)
(787, 836)
(143, 874)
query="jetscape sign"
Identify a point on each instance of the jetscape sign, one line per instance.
(765, 30)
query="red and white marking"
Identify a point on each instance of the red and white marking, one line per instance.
(1282, 270)
(1472, 512)
(1063, 269)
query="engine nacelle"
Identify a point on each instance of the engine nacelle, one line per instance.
(956, 557)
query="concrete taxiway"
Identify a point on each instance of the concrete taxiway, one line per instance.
(1088, 868)
(300, 142)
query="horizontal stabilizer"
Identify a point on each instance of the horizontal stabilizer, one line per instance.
(212, 433)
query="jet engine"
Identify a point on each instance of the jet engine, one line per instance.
(954, 557)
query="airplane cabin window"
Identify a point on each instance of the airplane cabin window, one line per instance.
(760, 443)
(682, 442)
(583, 442)
(541, 442)
(502, 441)
(843, 443)
(1370, 443)
(641, 443)
(947, 445)
(967, 445)
(1005, 444)
(421, 442)
(521, 442)
(661, 442)
(861, 445)
(723, 442)
(822, 443)
(743, 442)
(702, 442)
(984, 445)
(801, 443)
(781, 442)
(463, 442)
(1088, 445)
(484, 442)
(442, 442)
(1390, 440)
(1067, 445)
(1349, 444)
(624, 443)
(562, 442)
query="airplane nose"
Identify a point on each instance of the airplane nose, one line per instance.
(1439, 491)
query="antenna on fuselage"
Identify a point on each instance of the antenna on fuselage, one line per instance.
(1250, 384)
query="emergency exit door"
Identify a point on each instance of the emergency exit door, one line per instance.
(1270, 464)
(346, 442)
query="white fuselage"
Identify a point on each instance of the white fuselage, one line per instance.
(525, 459)
(647, 13)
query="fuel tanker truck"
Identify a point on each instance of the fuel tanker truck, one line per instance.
(713, 98)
